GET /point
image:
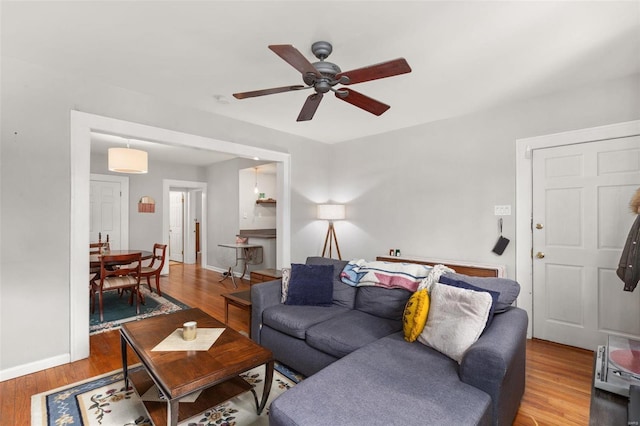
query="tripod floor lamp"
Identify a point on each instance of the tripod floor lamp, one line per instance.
(331, 212)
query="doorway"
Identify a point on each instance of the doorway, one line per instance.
(527, 149)
(581, 218)
(81, 125)
(176, 226)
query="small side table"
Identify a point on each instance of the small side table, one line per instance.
(606, 408)
(248, 254)
(239, 299)
(264, 275)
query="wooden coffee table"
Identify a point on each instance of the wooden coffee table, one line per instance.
(180, 373)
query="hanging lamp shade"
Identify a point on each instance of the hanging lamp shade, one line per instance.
(127, 160)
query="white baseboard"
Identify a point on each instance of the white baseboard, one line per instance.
(33, 367)
(223, 270)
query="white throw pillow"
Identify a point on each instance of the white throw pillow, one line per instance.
(286, 275)
(457, 317)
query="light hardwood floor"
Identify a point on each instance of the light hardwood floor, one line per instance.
(558, 381)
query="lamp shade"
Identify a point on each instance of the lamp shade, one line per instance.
(127, 160)
(331, 211)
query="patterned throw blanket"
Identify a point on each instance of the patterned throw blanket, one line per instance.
(384, 274)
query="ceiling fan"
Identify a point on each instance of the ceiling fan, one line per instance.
(322, 76)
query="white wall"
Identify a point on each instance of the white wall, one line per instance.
(252, 215)
(432, 191)
(35, 195)
(145, 229)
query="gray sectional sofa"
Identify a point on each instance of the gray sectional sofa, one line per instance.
(360, 370)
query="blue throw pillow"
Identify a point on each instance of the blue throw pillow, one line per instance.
(310, 285)
(461, 284)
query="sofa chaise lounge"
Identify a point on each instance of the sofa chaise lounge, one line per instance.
(360, 370)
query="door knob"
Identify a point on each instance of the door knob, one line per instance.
(539, 226)
(540, 255)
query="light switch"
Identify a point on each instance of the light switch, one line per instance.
(502, 210)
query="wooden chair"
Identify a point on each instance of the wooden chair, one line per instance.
(94, 249)
(117, 272)
(155, 267)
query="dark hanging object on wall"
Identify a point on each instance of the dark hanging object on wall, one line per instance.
(629, 265)
(502, 243)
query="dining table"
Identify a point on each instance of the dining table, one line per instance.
(94, 259)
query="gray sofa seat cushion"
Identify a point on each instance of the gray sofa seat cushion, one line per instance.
(344, 333)
(382, 302)
(389, 381)
(295, 320)
(343, 294)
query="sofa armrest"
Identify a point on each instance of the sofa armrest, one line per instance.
(263, 295)
(496, 363)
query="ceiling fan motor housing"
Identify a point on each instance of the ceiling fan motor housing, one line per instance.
(328, 71)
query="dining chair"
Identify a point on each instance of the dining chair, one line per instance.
(117, 272)
(94, 249)
(154, 268)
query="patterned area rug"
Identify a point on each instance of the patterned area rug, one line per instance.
(117, 310)
(103, 400)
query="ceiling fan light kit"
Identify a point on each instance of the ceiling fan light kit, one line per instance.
(322, 76)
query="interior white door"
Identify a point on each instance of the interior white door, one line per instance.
(105, 203)
(176, 221)
(581, 218)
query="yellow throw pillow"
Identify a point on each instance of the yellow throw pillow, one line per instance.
(415, 315)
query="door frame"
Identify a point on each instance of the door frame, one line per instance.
(124, 204)
(188, 240)
(524, 195)
(81, 124)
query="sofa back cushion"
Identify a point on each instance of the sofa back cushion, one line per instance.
(382, 302)
(343, 294)
(508, 289)
(310, 285)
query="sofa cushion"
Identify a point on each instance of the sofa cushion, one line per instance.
(343, 294)
(310, 285)
(348, 331)
(457, 317)
(389, 381)
(286, 276)
(415, 315)
(508, 289)
(461, 284)
(294, 320)
(382, 302)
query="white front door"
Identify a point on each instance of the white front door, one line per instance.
(176, 220)
(581, 218)
(105, 203)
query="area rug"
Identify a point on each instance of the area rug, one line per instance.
(103, 400)
(117, 310)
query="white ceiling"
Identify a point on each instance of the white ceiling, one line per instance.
(465, 56)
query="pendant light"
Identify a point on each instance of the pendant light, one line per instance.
(255, 188)
(128, 160)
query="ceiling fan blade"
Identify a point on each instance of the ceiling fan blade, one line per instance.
(255, 93)
(294, 58)
(361, 101)
(310, 106)
(374, 72)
